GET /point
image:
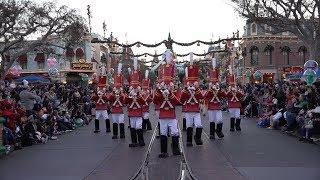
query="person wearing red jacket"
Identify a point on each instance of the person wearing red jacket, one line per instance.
(213, 98)
(191, 98)
(184, 126)
(234, 96)
(146, 124)
(117, 100)
(100, 98)
(134, 104)
(167, 101)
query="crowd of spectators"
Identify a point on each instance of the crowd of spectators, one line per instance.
(289, 106)
(36, 113)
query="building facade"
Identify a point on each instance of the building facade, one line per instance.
(275, 55)
(71, 62)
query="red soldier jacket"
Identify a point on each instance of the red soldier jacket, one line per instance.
(191, 102)
(167, 105)
(134, 105)
(234, 99)
(116, 102)
(156, 103)
(147, 98)
(213, 99)
(101, 102)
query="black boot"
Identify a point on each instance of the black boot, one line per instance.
(232, 124)
(238, 121)
(133, 133)
(108, 126)
(189, 136)
(129, 125)
(197, 137)
(140, 137)
(122, 133)
(159, 134)
(144, 124)
(115, 130)
(163, 146)
(175, 145)
(212, 130)
(184, 124)
(96, 126)
(219, 130)
(149, 127)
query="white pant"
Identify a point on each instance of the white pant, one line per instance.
(136, 122)
(169, 123)
(215, 116)
(102, 114)
(193, 118)
(117, 118)
(146, 115)
(234, 113)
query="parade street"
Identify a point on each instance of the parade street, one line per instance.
(253, 153)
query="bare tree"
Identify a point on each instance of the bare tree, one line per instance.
(26, 26)
(300, 17)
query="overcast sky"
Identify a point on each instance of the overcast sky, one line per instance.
(150, 21)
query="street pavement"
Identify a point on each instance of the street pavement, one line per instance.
(253, 153)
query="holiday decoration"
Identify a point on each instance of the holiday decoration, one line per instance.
(51, 62)
(53, 72)
(85, 77)
(310, 76)
(248, 75)
(257, 75)
(311, 64)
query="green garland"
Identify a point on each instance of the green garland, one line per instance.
(138, 43)
(157, 55)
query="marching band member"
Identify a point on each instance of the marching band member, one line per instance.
(101, 105)
(213, 97)
(234, 96)
(146, 124)
(167, 101)
(117, 100)
(134, 103)
(184, 126)
(190, 98)
(157, 108)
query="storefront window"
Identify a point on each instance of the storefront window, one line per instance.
(254, 56)
(24, 65)
(40, 64)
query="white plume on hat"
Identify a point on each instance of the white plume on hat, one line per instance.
(191, 58)
(230, 69)
(168, 55)
(129, 70)
(135, 64)
(214, 62)
(186, 72)
(119, 68)
(146, 73)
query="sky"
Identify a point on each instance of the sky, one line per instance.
(150, 21)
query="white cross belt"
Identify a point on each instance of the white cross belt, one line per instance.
(164, 103)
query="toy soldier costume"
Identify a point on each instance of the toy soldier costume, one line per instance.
(213, 98)
(100, 98)
(191, 97)
(234, 96)
(168, 101)
(134, 104)
(117, 100)
(146, 124)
